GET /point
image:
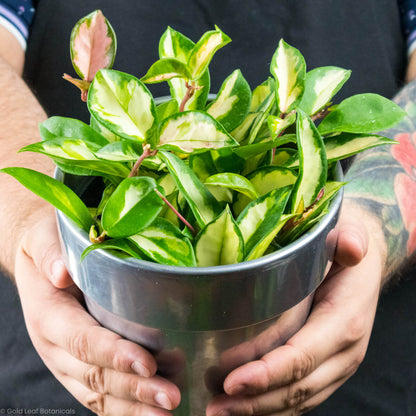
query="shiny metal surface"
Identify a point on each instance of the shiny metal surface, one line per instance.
(203, 322)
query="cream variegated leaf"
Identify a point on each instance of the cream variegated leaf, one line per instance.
(288, 68)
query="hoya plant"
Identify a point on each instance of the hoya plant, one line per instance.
(199, 179)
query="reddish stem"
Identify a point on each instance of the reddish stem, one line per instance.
(189, 93)
(176, 212)
(146, 153)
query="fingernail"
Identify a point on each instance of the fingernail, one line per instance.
(163, 401)
(223, 413)
(140, 369)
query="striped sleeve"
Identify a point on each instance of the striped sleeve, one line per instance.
(16, 16)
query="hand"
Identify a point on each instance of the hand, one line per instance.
(328, 349)
(106, 373)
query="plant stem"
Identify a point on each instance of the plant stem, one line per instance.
(176, 212)
(146, 153)
(189, 93)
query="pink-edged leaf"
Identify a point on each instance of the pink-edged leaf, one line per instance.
(93, 45)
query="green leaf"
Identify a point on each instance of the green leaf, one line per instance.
(119, 244)
(165, 244)
(232, 103)
(264, 180)
(190, 130)
(204, 50)
(165, 69)
(93, 45)
(203, 205)
(313, 163)
(166, 109)
(131, 207)
(122, 104)
(362, 113)
(233, 181)
(261, 220)
(240, 132)
(220, 242)
(289, 69)
(174, 44)
(54, 192)
(77, 153)
(321, 85)
(70, 128)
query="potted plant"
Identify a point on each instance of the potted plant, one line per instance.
(201, 223)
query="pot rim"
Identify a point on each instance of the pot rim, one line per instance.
(262, 262)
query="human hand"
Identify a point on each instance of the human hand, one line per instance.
(104, 372)
(328, 349)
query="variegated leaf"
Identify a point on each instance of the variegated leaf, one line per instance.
(77, 154)
(70, 128)
(203, 205)
(233, 181)
(174, 44)
(288, 68)
(93, 45)
(119, 152)
(363, 114)
(220, 242)
(119, 244)
(192, 130)
(278, 125)
(54, 192)
(264, 180)
(232, 103)
(122, 104)
(255, 149)
(261, 118)
(321, 85)
(261, 93)
(132, 207)
(165, 244)
(261, 220)
(313, 163)
(204, 50)
(165, 69)
(345, 145)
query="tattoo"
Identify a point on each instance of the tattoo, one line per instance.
(383, 181)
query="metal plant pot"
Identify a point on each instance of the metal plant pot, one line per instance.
(201, 323)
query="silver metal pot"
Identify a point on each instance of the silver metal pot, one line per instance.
(201, 323)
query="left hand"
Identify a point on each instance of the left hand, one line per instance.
(328, 349)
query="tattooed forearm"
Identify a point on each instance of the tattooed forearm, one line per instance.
(383, 181)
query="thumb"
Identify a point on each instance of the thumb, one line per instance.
(41, 243)
(352, 243)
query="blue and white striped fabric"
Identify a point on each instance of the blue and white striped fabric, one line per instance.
(16, 16)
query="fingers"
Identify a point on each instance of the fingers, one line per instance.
(45, 250)
(295, 398)
(102, 370)
(105, 404)
(154, 391)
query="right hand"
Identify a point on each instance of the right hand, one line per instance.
(103, 371)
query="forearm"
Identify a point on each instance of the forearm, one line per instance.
(382, 182)
(20, 116)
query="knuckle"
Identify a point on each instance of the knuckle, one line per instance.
(96, 403)
(78, 346)
(94, 379)
(296, 396)
(302, 365)
(355, 330)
